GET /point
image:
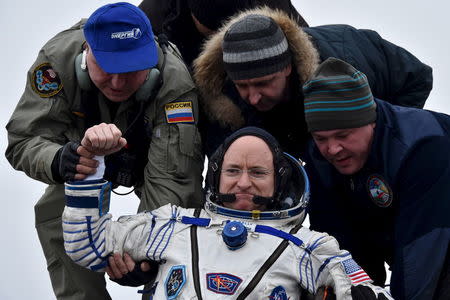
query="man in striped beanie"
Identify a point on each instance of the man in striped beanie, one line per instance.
(338, 101)
(380, 178)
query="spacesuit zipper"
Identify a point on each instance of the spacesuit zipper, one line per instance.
(194, 252)
(267, 264)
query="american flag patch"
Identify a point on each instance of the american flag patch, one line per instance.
(179, 112)
(354, 272)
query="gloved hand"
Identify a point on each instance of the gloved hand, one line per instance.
(368, 291)
(323, 293)
(65, 162)
(137, 277)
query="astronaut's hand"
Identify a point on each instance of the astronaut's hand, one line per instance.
(73, 162)
(103, 139)
(369, 292)
(125, 271)
(322, 293)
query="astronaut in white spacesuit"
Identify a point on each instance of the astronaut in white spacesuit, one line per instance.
(247, 242)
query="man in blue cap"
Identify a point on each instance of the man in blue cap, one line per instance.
(106, 83)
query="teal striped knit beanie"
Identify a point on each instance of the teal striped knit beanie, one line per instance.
(338, 97)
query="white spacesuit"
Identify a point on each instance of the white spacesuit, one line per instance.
(216, 252)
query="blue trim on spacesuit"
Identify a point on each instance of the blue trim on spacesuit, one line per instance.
(82, 202)
(279, 233)
(261, 215)
(327, 261)
(83, 222)
(170, 225)
(85, 238)
(152, 227)
(203, 222)
(92, 243)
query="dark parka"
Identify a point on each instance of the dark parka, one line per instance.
(394, 73)
(173, 18)
(396, 208)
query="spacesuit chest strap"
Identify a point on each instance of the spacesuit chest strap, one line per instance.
(194, 251)
(267, 264)
(205, 222)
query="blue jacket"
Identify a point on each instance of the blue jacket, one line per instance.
(396, 208)
(394, 74)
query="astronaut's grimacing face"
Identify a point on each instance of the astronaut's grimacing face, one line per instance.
(247, 170)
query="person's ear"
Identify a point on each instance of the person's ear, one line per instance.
(287, 71)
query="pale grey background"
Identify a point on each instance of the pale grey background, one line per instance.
(421, 27)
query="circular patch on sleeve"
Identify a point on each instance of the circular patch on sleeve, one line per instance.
(379, 191)
(278, 293)
(46, 82)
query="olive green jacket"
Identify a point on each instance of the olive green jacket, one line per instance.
(42, 123)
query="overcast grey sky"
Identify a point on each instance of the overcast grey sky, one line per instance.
(421, 27)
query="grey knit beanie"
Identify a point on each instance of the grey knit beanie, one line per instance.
(255, 46)
(337, 97)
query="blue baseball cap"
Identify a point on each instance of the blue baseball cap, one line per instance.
(121, 38)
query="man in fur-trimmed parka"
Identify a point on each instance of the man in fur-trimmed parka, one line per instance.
(252, 70)
(188, 23)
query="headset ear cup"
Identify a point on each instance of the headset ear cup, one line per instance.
(82, 74)
(150, 86)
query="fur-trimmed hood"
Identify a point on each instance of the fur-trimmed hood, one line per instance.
(210, 75)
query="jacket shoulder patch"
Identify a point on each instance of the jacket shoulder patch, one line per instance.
(179, 112)
(46, 82)
(379, 191)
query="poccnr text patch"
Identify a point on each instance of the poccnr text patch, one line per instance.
(46, 82)
(179, 112)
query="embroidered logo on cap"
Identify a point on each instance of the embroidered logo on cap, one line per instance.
(135, 33)
(379, 191)
(46, 82)
(222, 283)
(354, 271)
(179, 112)
(278, 293)
(175, 281)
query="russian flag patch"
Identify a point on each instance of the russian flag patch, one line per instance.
(354, 271)
(179, 112)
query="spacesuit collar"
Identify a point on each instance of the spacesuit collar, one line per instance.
(297, 211)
